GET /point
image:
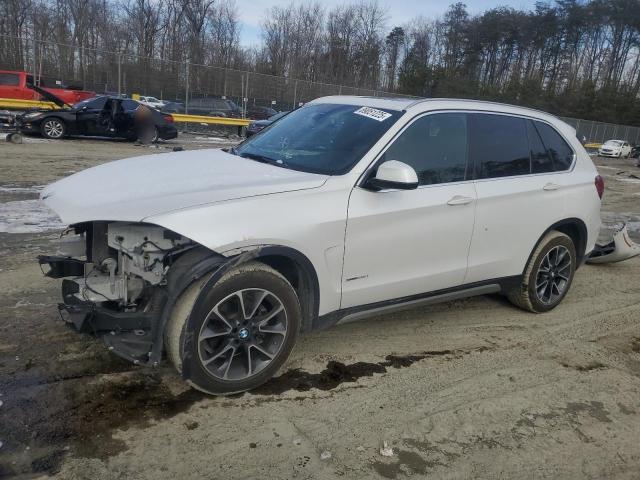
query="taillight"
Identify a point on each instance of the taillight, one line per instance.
(600, 186)
(168, 118)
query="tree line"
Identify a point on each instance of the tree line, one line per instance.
(573, 58)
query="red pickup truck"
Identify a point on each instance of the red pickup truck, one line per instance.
(14, 85)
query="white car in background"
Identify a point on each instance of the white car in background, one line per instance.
(344, 208)
(151, 102)
(615, 148)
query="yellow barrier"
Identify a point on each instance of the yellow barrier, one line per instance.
(238, 122)
(24, 104)
(592, 145)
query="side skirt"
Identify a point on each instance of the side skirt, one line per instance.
(360, 312)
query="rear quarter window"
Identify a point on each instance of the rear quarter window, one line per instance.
(559, 151)
(9, 79)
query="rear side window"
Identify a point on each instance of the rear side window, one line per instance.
(10, 79)
(498, 145)
(129, 105)
(559, 151)
(541, 161)
(435, 146)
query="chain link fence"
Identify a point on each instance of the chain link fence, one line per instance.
(183, 82)
(600, 132)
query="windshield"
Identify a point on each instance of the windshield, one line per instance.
(320, 138)
(615, 143)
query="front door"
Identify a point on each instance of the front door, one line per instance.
(406, 242)
(90, 118)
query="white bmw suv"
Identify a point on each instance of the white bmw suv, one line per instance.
(345, 207)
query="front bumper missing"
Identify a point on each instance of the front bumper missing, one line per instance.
(137, 336)
(621, 248)
(127, 334)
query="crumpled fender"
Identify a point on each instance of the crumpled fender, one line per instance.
(621, 248)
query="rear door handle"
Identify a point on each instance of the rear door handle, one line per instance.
(550, 187)
(460, 200)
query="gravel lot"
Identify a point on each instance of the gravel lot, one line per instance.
(473, 388)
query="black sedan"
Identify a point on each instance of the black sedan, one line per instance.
(258, 125)
(103, 116)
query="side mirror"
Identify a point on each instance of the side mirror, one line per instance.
(395, 175)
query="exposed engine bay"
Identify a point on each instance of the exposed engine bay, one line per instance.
(123, 262)
(117, 282)
(122, 259)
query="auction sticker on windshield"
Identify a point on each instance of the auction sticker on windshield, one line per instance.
(373, 113)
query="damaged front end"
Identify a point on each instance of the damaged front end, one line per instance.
(621, 248)
(120, 281)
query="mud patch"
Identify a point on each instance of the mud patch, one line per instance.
(78, 412)
(78, 416)
(408, 463)
(337, 373)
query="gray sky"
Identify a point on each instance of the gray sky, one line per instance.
(399, 11)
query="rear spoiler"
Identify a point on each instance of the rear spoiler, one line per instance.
(48, 95)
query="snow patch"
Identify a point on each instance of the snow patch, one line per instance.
(27, 216)
(12, 189)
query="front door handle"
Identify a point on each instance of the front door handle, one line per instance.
(460, 200)
(550, 187)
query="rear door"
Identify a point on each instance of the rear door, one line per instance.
(520, 183)
(407, 242)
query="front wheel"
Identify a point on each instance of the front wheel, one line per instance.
(548, 275)
(53, 128)
(239, 334)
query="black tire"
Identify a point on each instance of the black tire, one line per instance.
(528, 296)
(53, 128)
(250, 277)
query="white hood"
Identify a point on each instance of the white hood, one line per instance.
(135, 188)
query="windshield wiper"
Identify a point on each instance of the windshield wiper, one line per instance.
(264, 159)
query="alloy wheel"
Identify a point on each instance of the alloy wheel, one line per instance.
(53, 128)
(242, 334)
(553, 275)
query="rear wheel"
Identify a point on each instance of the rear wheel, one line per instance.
(53, 128)
(242, 330)
(548, 274)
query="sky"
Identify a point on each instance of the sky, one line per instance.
(399, 11)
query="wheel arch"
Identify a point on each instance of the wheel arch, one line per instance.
(575, 229)
(300, 273)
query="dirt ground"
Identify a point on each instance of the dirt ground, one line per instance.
(469, 389)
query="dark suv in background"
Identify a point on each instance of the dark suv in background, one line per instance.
(215, 107)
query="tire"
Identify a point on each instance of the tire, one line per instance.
(221, 350)
(554, 245)
(53, 128)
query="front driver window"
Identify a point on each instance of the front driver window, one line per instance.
(435, 146)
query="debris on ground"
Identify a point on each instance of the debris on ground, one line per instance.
(326, 455)
(386, 450)
(297, 441)
(619, 249)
